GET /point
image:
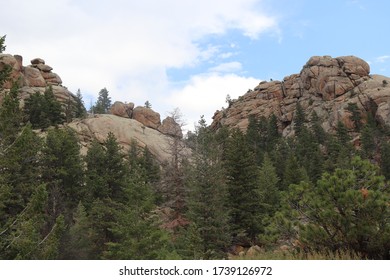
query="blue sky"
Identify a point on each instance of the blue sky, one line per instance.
(190, 53)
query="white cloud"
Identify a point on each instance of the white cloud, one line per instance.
(204, 94)
(382, 59)
(227, 67)
(127, 46)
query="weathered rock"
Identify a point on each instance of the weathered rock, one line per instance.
(44, 67)
(254, 251)
(51, 78)
(37, 61)
(147, 117)
(33, 77)
(125, 130)
(122, 109)
(325, 86)
(11, 61)
(170, 127)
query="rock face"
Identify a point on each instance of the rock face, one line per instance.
(34, 78)
(170, 127)
(124, 110)
(325, 86)
(147, 117)
(125, 130)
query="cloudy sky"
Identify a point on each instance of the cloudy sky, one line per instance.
(190, 53)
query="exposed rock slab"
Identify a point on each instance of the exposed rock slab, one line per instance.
(124, 130)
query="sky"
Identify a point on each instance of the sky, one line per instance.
(190, 54)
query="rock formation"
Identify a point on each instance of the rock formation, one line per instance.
(125, 130)
(34, 78)
(325, 86)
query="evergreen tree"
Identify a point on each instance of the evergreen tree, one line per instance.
(207, 198)
(242, 183)
(136, 233)
(148, 104)
(385, 160)
(268, 186)
(299, 119)
(347, 210)
(293, 173)
(2, 46)
(10, 117)
(103, 104)
(80, 111)
(44, 110)
(78, 243)
(63, 172)
(355, 117)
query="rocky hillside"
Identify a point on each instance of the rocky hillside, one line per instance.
(325, 86)
(35, 77)
(124, 121)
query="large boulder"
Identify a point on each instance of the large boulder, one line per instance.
(124, 110)
(147, 117)
(33, 77)
(16, 68)
(170, 127)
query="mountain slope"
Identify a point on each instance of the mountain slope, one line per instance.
(325, 86)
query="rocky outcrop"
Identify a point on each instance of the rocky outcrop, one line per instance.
(325, 86)
(147, 117)
(34, 78)
(124, 110)
(170, 127)
(125, 130)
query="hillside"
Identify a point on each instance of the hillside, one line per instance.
(325, 86)
(124, 121)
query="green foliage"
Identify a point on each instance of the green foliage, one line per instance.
(2, 46)
(355, 117)
(242, 184)
(62, 171)
(44, 110)
(10, 117)
(346, 210)
(299, 119)
(103, 104)
(80, 111)
(206, 199)
(148, 104)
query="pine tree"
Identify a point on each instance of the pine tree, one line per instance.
(62, 171)
(78, 244)
(136, 233)
(207, 198)
(346, 210)
(44, 110)
(103, 104)
(268, 186)
(10, 117)
(299, 119)
(2, 46)
(243, 197)
(355, 117)
(80, 111)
